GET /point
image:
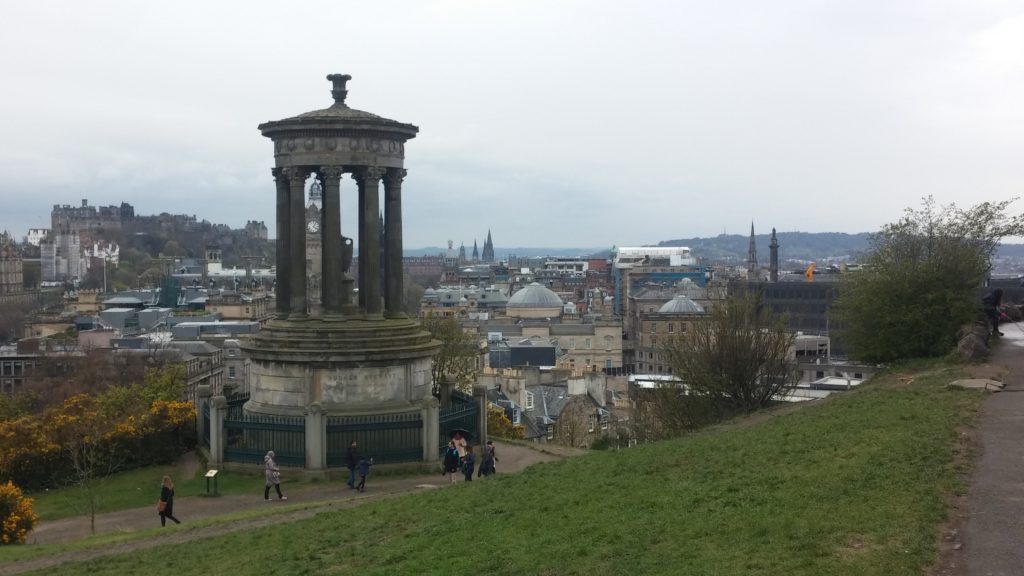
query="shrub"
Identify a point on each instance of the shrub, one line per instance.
(16, 515)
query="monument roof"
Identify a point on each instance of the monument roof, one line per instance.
(339, 115)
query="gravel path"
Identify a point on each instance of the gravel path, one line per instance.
(328, 496)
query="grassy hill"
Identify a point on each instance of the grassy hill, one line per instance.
(855, 485)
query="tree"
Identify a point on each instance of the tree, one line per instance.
(576, 421)
(413, 295)
(86, 441)
(499, 425)
(920, 280)
(456, 362)
(17, 517)
(739, 358)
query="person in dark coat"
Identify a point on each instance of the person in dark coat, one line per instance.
(166, 505)
(468, 463)
(991, 302)
(451, 460)
(364, 469)
(487, 466)
(352, 461)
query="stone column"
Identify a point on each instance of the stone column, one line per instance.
(316, 438)
(203, 394)
(361, 270)
(393, 272)
(297, 238)
(330, 240)
(282, 292)
(480, 396)
(431, 429)
(218, 409)
(369, 241)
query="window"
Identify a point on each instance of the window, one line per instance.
(671, 327)
(858, 375)
(654, 327)
(572, 343)
(608, 363)
(515, 416)
(232, 352)
(551, 432)
(231, 371)
(588, 343)
(529, 400)
(654, 340)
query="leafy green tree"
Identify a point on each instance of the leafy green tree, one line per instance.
(920, 280)
(737, 359)
(173, 250)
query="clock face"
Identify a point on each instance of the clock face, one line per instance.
(313, 226)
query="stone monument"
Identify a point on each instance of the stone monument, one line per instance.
(348, 356)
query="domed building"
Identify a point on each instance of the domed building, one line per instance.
(681, 304)
(653, 329)
(534, 301)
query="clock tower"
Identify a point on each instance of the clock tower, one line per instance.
(314, 246)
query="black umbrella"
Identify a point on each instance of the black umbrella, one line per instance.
(461, 431)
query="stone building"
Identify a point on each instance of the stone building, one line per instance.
(60, 256)
(255, 230)
(87, 220)
(654, 328)
(11, 278)
(536, 314)
(634, 268)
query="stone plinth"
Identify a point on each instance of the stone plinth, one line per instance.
(346, 366)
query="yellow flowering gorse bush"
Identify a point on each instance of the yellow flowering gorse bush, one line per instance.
(17, 518)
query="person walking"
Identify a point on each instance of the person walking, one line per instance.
(165, 507)
(273, 476)
(489, 458)
(991, 302)
(364, 469)
(352, 461)
(468, 462)
(451, 460)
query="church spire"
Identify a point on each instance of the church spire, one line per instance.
(488, 253)
(774, 251)
(752, 252)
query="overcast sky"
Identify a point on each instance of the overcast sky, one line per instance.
(551, 123)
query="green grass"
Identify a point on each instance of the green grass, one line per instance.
(137, 488)
(852, 486)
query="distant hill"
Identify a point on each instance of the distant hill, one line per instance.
(805, 246)
(793, 246)
(502, 253)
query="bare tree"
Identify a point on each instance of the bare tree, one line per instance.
(576, 421)
(457, 361)
(739, 358)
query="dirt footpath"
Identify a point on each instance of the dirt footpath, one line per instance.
(329, 495)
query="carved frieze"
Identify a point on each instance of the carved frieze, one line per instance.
(379, 146)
